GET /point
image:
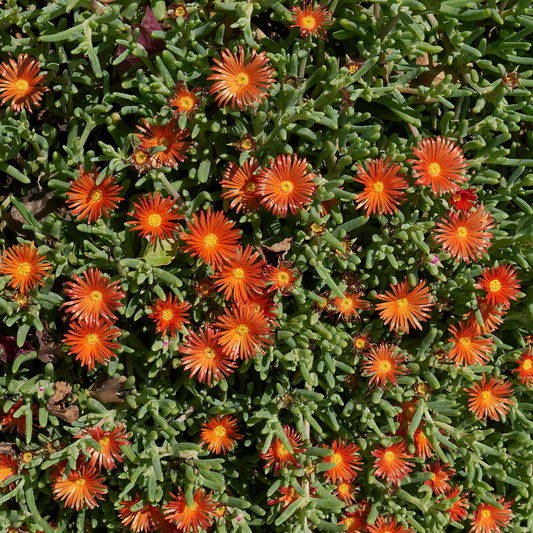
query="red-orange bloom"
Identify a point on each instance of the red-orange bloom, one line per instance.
(388, 525)
(465, 235)
(198, 515)
(489, 519)
(490, 398)
(402, 307)
(146, 519)
(279, 456)
(286, 184)
(408, 411)
(525, 367)
(311, 20)
(93, 297)
(155, 217)
(183, 101)
(20, 82)
(92, 341)
(80, 488)
(282, 277)
(348, 306)
(391, 462)
(242, 185)
(469, 348)
(441, 476)
(26, 267)
(492, 317)
(241, 82)
(355, 522)
(89, 199)
(169, 137)
(345, 491)
(464, 200)
(169, 314)
(206, 357)
(501, 285)
(422, 445)
(264, 303)
(384, 187)
(10, 422)
(220, 435)
(346, 461)
(289, 495)
(459, 510)
(384, 363)
(440, 164)
(8, 468)
(211, 237)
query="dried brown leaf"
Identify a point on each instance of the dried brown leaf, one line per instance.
(108, 390)
(58, 404)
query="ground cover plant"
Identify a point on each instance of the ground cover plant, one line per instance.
(266, 266)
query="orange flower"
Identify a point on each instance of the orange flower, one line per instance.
(167, 136)
(26, 267)
(91, 340)
(88, 198)
(282, 277)
(110, 441)
(345, 491)
(80, 488)
(403, 307)
(465, 235)
(198, 515)
(206, 357)
(361, 342)
(492, 317)
(311, 20)
(525, 368)
(408, 411)
(10, 422)
(384, 187)
(183, 101)
(488, 519)
(242, 185)
(289, 495)
(94, 297)
(391, 462)
(19, 81)
(501, 285)
(346, 461)
(155, 217)
(286, 184)
(388, 525)
(264, 303)
(384, 363)
(464, 200)
(355, 522)
(169, 314)
(220, 435)
(347, 307)
(441, 474)
(8, 468)
(422, 445)
(241, 276)
(244, 332)
(147, 518)
(490, 398)
(459, 510)
(469, 348)
(241, 82)
(440, 164)
(277, 453)
(211, 237)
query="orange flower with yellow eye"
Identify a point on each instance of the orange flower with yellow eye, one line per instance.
(490, 399)
(525, 368)
(391, 462)
(220, 434)
(169, 314)
(183, 101)
(277, 453)
(311, 20)
(346, 460)
(501, 285)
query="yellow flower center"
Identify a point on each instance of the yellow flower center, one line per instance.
(378, 187)
(316, 228)
(456, 197)
(336, 458)
(24, 269)
(346, 304)
(349, 521)
(353, 69)
(167, 314)
(238, 273)
(140, 157)
(242, 79)
(179, 11)
(155, 220)
(27, 457)
(286, 186)
(194, 507)
(465, 341)
(96, 195)
(485, 513)
(344, 488)
(389, 456)
(22, 86)
(186, 103)
(495, 285)
(402, 302)
(292, 493)
(220, 431)
(423, 388)
(385, 366)
(21, 298)
(104, 441)
(221, 510)
(242, 330)
(210, 240)
(360, 343)
(461, 232)
(527, 364)
(96, 296)
(163, 141)
(283, 278)
(308, 23)
(486, 395)
(209, 353)
(282, 450)
(80, 482)
(251, 187)
(91, 339)
(247, 144)
(434, 169)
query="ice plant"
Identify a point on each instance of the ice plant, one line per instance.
(184, 101)
(20, 81)
(178, 10)
(348, 306)
(311, 20)
(355, 523)
(80, 488)
(391, 462)
(388, 525)
(26, 267)
(459, 510)
(141, 159)
(8, 468)
(145, 519)
(264, 303)
(289, 495)
(489, 519)
(490, 399)
(239, 81)
(246, 143)
(194, 517)
(346, 460)
(525, 367)
(403, 308)
(469, 348)
(384, 364)
(440, 164)
(241, 186)
(220, 434)
(93, 297)
(361, 342)
(345, 491)
(491, 316)
(501, 285)
(384, 187)
(277, 453)
(286, 185)
(170, 314)
(441, 475)
(282, 277)
(408, 411)
(10, 422)
(422, 445)
(464, 199)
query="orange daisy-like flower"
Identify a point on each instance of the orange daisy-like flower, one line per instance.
(464, 199)
(408, 411)
(20, 82)
(241, 82)
(501, 285)
(490, 398)
(465, 235)
(198, 515)
(93, 297)
(441, 475)
(492, 317)
(311, 20)
(8, 467)
(220, 435)
(279, 456)
(347, 307)
(286, 185)
(489, 519)
(282, 277)
(388, 525)
(422, 445)
(169, 137)
(147, 518)
(92, 341)
(110, 441)
(242, 186)
(169, 314)
(89, 199)
(206, 357)
(384, 187)
(459, 510)
(403, 307)
(384, 363)
(345, 491)
(289, 495)
(10, 422)
(244, 332)
(183, 101)
(26, 267)
(241, 276)
(355, 522)
(80, 488)
(391, 462)
(525, 367)
(440, 164)
(211, 237)
(155, 217)
(264, 303)
(346, 461)
(469, 348)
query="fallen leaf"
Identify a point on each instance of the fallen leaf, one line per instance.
(58, 404)
(49, 350)
(8, 448)
(267, 253)
(108, 390)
